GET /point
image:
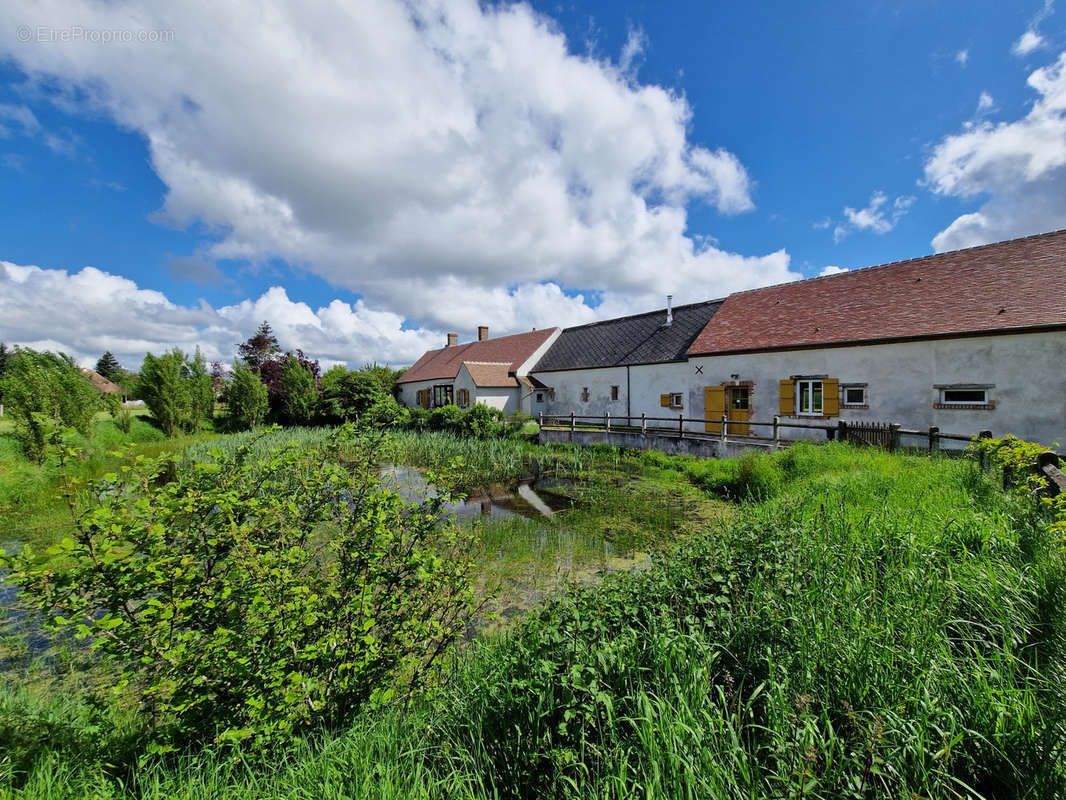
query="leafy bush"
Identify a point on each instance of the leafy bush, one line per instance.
(247, 400)
(45, 393)
(482, 422)
(177, 390)
(298, 392)
(264, 598)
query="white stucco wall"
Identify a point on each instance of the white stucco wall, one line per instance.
(492, 396)
(408, 390)
(646, 383)
(1027, 371)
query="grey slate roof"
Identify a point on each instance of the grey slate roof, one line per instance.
(639, 339)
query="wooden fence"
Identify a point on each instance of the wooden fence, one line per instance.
(887, 435)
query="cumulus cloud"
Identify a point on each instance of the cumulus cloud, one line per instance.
(87, 312)
(879, 216)
(962, 57)
(1032, 39)
(428, 155)
(985, 103)
(832, 270)
(1019, 165)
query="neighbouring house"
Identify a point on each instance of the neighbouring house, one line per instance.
(967, 340)
(104, 385)
(624, 366)
(494, 372)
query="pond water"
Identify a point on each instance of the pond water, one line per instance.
(527, 499)
(525, 550)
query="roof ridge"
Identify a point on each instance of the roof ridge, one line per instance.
(490, 363)
(896, 263)
(674, 309)
(493, 339)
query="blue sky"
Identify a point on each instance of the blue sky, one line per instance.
(369, 180)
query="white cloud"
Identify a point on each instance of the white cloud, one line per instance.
(1019, 166)
(962, 57)
(1032, 39)
(420, 153)
(1027, 43)
(879, 216)
(20, 116)
(90, 311)
(832, 270)
(822, 224)
(985, 102)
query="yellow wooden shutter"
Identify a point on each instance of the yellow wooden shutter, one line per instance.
(830, 397)
(713, 407)
(425, 398)
(788, 398)
(664, 400)
(418, 397)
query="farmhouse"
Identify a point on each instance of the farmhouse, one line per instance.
(967, 340)
(494, 372)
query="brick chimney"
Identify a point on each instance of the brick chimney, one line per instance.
(453, 340)
(482, 332)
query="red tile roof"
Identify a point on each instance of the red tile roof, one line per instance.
(445, 362)
(491, 375)
(101, 383)
(1000, 287)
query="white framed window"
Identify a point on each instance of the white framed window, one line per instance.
(809, 397)
(540, 397)
(677, 400)
(853, 396)
(584, 394)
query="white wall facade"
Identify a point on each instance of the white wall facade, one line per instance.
(639, 394)
(501, 397)
(408, 390)
(1026, 372)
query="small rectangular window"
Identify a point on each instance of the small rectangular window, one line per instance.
(584, 394)
(809, 398)
(540, 397)
(854, 396)
(676, 400)
(614, 392)
(964, 397)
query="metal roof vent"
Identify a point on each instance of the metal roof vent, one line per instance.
(669, 310)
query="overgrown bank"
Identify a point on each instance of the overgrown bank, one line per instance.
(865, 625)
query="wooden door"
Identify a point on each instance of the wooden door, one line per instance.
(739, 410)
(713, 407)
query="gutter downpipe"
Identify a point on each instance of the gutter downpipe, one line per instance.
(629, 407)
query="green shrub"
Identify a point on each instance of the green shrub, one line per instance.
(258, 597)
(446, 418)
(247, 399)
(44, 394)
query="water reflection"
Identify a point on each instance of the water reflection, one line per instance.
(490, 501)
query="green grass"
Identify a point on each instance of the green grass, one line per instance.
(859, 624)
